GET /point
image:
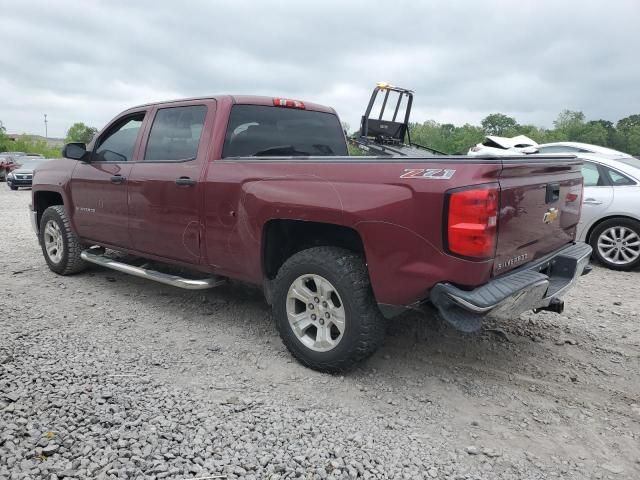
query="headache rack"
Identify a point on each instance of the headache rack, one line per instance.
(382, 136)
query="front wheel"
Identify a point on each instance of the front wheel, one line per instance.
(325, 310)
(60, 245)
(12, 187)
(616, 243)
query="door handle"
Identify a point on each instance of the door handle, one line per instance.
(592, 201)
(185, 181)
(118, 179)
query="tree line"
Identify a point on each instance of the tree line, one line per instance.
(571, 126)
(78, 132)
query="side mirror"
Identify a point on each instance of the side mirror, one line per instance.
(529, 150)
(75, 151)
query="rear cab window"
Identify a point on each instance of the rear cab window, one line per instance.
(259, 130)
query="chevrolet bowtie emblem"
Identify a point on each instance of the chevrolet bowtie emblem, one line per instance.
(550, 215)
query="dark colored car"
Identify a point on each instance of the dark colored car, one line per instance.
(262, 190)
(21, 174)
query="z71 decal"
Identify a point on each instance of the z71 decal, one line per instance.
(431, 173)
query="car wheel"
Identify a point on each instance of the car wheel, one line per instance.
(60, 245)
(12, 187)
(325, 310)
(616, 243)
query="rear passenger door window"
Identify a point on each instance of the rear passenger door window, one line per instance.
(592, 176)
(175, 134)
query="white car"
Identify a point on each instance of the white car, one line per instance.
(610, 219)
(578, 148)
(500, 146)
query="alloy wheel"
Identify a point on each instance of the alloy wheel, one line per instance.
(619, 245)
(316, 313)
(53, 241)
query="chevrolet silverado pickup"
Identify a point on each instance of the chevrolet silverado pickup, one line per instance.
(193, 192)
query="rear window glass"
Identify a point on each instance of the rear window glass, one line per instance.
(631, 161)
(257, 130)
(618, 178)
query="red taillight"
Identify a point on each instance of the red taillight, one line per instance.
(472, 222)
(288, 103)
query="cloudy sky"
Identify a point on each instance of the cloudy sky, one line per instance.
(88, 60)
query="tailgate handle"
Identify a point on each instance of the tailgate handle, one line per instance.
(553, 192)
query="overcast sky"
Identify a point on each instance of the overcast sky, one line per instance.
(88, 60)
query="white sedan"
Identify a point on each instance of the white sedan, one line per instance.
(610, 219)
(579, 148)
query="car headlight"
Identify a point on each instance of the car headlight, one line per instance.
(10, 175)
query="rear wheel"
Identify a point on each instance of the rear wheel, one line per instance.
(325, 310)
(616, 243)
(60, 245)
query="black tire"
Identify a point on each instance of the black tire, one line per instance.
(630, 225)
(12, 187)
(364, 324)
(70, 261)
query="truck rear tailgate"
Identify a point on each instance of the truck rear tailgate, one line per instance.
(539, 208)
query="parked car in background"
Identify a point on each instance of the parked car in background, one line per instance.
(7, 163)
(610, 219)
(22, 174)
(577, 147)
(499, 146)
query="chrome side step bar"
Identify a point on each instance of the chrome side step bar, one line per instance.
(95, 256)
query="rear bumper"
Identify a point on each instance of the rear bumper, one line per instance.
(534, 286)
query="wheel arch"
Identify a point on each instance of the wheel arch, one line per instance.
(43, 199)
(282, 238)
(598, 222)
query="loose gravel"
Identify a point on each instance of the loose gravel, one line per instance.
(108, 376)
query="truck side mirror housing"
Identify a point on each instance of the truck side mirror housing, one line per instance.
(75, 151)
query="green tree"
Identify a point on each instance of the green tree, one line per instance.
(498, 124)
(79, 132)
(3, 138)
(632, 140)
(629, 122)
(569, 124)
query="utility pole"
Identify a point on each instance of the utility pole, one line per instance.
(46, 132)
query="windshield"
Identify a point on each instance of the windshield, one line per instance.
(607, 151)
(256, 130)
(29, 163)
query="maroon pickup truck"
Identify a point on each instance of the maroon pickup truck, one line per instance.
(262, 190)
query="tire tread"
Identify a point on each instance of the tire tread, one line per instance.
(351, 267)
(73, 263)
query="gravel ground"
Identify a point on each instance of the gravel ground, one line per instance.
(108, 376)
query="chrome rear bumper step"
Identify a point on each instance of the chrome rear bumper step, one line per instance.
(95, 256)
